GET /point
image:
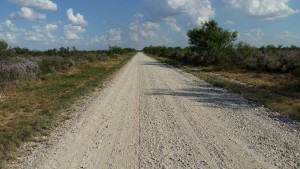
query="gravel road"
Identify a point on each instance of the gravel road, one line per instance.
(154, 116)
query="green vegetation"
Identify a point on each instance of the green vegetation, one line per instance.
(268, 75)
(23, 64)
(213, 46)
(240, 57)
(35, 90)
(210, 38)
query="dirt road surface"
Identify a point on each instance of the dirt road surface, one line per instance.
(153, 116)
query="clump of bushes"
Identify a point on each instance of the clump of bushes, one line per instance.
(239, 56)
(19, 69)
(24, 64)
(52, 64)
(212, 45)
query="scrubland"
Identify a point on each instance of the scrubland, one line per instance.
(36, 86)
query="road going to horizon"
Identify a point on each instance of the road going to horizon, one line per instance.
(151, 115)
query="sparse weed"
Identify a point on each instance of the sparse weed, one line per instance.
(32, 107)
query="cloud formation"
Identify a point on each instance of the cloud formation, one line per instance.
(99, 39)
(254, 35)
(172, 23)
(10, 26)
(150, 26)
(265, 9)
(11, 31)
(197, 10)
(11, 37)
(76, 27)
(112, 37)
(39, 4)
(146, 30)
(41, 33)
(77, 19)
(114, 34)
(72, 31)
(27, 14)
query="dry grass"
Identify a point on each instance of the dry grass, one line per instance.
(263, 80)
(278, 95)
(278, 92)
(286, 89)
(283, 84)
(30, 108)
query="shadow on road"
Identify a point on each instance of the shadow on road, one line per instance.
(217, 98)
(210, 96)
(155, 63)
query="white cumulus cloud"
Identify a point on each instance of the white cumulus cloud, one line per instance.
(197, 10)
(9, 26)
(146, 30)
(39, 4)
(172, 23)
(9, 36)
(112, 37)
(150, 26)
(254, 35)
(265, 9)
(11, 32)
(147, 34)
(28, 14)
(41, 33)
(114, 34)
(32, 36)
(72, 32)
(8, 23)
(134, 37)
(99, 39)
(77, 19)
(134, 26)
(51, 27)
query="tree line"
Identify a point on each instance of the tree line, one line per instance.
(23, 64)
(214, 46)
(6, 51)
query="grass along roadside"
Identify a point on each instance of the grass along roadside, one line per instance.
(279, 93)
(31, 108)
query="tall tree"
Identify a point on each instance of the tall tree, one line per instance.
(210, 37)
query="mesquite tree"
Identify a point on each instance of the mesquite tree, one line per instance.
(210, 38)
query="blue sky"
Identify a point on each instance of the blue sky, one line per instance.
(95, 24)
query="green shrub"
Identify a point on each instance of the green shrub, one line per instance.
(49, 65)
(23, 132)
